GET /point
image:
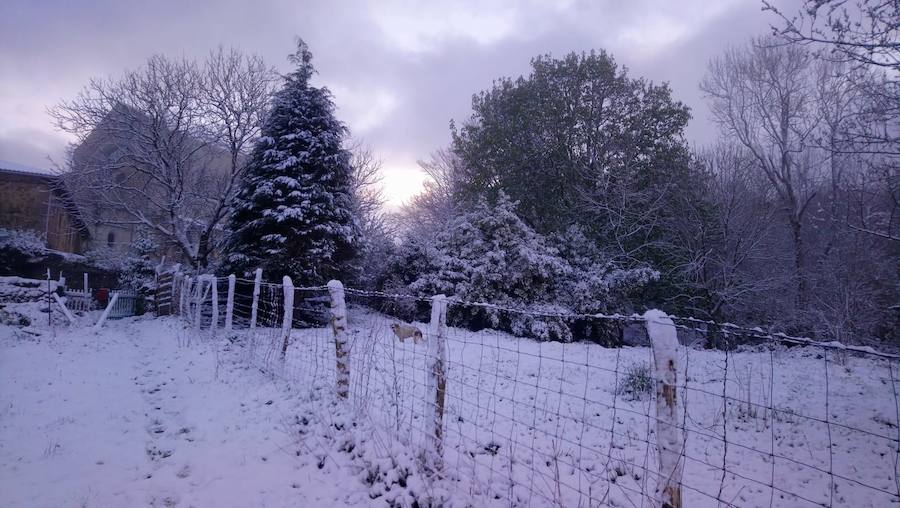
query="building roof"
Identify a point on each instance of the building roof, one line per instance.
(14, 167)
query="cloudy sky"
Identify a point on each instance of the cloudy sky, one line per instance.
(399, 70)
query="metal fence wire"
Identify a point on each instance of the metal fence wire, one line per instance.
(786, 421)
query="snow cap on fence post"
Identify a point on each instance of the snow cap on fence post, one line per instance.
(339, 325)
(229, 304)
(214, 286)
(436, 387)
(288, 315)
(670, 443)
(257, 280)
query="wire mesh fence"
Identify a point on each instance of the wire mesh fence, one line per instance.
(761, 420)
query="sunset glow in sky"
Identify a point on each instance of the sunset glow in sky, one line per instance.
(399, 70)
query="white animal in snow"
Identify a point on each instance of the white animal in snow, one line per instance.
(404, 331)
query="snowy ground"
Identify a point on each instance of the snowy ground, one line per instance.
(150, 412)
(133, 417)
(530, 423)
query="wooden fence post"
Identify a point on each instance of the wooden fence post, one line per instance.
(288, 321)
(229, 304)
(436, 358)
(85, 281)
(339, 326)
(214, 288)
(109, 307)
(255, 308)
(669, 440)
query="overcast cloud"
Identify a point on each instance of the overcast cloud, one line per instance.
(399, 71)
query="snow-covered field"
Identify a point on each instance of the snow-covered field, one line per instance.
(129, 417)
(150, 412)
(541, 423)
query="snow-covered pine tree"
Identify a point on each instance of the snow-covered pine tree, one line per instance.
(292, 215)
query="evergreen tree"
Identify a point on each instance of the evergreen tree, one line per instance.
(292, 215)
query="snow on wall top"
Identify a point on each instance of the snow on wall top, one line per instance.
(21, 168)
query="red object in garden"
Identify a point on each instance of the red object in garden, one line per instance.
(102, 295)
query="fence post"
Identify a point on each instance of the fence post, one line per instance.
(254, 309)
(198, 315)
(288, 321)
(214, 288)
(436, 359)
(176, 278)
(62, 306)
(669, 441)
(185, 292)
(85, 288)
(109, 307)
(229, 304)
(339, 325)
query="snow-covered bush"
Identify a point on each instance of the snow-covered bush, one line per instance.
(135, 265)
(594, 283)
(26, 243)
(489, 254)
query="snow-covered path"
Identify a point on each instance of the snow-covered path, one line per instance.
(133, 417)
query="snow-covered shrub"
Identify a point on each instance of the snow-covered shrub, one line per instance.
(489, 254)
(28, 243)
(139, 267)
(594, 283)
(135, 265)
(18, 248)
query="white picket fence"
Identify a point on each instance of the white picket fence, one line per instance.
(79, 300)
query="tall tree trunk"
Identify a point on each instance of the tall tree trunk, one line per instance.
(799, 262)
(203, 251)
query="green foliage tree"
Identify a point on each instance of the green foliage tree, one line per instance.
(576, 142)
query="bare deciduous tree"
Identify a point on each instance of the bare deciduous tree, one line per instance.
(161, 148)
(864, 32)
(722, 243)
(762, 96)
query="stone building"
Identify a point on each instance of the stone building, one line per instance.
(33, 200)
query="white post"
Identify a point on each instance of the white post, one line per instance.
(185, 292)
(199, 301)
(85, 288)
(214, 287)
(669, 441)
(229, 304)
(176, 278)
(109, 307)
(64, 309)
(436, 386)
(288, 315)
(339, 325)
(255, 308)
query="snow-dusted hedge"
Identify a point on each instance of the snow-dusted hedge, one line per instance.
(489, 254)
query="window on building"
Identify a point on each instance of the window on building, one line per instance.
(111, 239)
